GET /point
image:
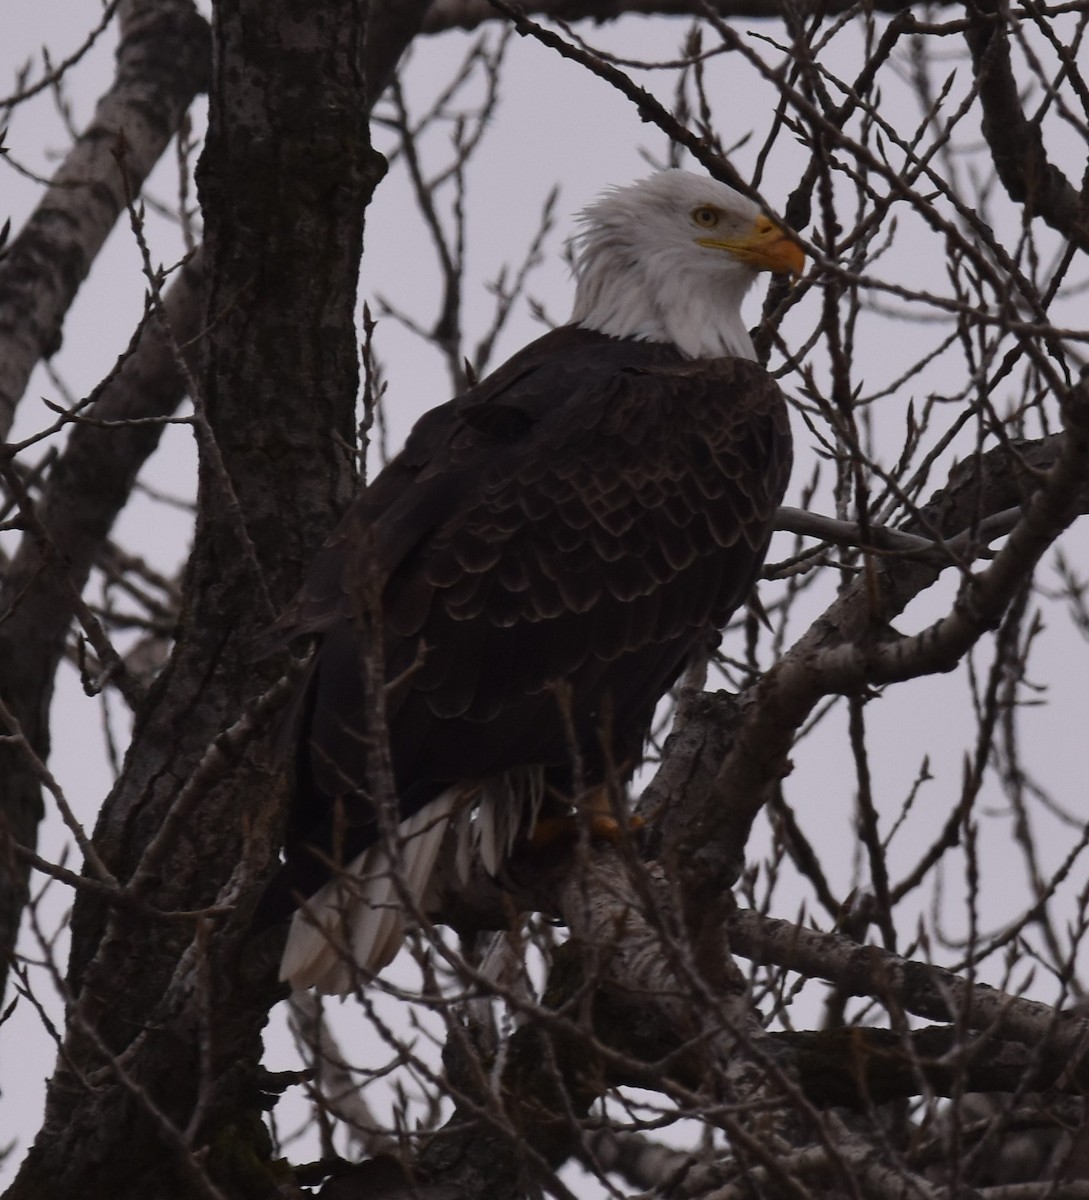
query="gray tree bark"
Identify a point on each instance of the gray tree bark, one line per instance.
(172, 1047)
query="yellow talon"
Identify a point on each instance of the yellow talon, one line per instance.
(599, 827)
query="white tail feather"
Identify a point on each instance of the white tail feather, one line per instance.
(508, 808)
(491, 829)
(357, 919)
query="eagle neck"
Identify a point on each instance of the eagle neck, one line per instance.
(651, 300)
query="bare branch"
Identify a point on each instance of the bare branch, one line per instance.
(144, 108)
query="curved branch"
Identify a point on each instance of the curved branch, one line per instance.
(469, 14)
(851, 646)
(85, 490)
(918, 988)
(1016, 144)
(162, 63)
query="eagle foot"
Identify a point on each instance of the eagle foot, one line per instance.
(555, 831)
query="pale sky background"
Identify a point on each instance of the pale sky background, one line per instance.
(555, 123)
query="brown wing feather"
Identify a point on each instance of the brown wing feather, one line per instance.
(584, 515)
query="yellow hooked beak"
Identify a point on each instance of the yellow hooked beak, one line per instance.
(766, 247)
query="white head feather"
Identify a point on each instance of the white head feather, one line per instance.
(670, 258)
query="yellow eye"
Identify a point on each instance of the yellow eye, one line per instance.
(705, 216)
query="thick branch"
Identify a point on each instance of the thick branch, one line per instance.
(629, 1000)
(162, 63)
(1016, 143)
(858, 1067)
(87, 487)
(391, 26)
(850, 646)
(469, 14)
(1060, 1040)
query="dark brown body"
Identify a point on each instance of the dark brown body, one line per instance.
(585, 515)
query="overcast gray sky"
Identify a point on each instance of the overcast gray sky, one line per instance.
(555, 124)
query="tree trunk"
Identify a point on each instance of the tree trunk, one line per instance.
(145, 1101)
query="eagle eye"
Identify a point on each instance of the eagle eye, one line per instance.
(705, 216)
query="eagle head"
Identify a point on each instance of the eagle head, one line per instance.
(670, 258)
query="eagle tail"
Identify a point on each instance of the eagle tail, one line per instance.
(356, 922)
(504, 808)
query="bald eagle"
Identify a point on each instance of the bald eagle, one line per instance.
(528, 577)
